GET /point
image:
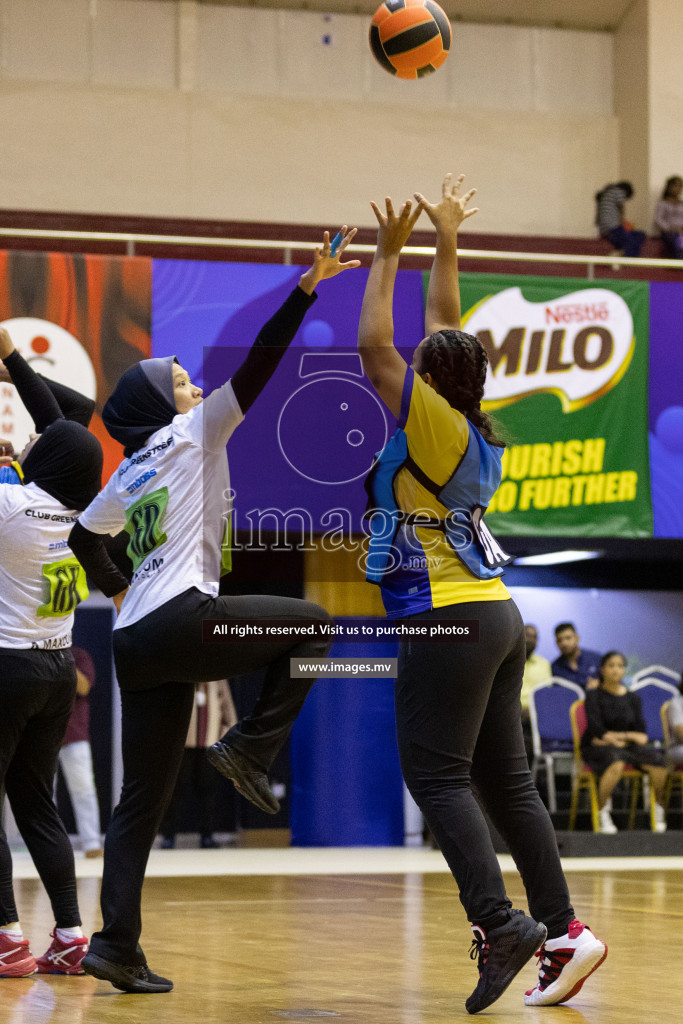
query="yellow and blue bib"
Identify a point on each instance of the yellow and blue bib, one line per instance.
(428, 491)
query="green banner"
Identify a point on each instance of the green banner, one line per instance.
(567, 385)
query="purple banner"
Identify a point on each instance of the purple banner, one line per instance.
(666, 408)
(307, 444)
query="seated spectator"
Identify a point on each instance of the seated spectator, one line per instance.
(675, 716)
(75, 759)
(213, 714)
(669, 218)
(576, 665)
(536, 670)
(611, 222)
(616, 738)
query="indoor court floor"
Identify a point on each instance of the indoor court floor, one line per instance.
(368, 936)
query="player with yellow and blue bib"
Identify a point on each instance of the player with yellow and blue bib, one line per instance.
(457, 694)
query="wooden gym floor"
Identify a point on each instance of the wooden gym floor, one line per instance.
(365, 936)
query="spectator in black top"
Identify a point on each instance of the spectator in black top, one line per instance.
(616, 738)
(611, 222)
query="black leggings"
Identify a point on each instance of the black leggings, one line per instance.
(156, 658)
(458, 723)
(37, 691)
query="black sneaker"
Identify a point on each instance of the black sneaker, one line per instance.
(502, 954)
(249, 780)
(128, 979)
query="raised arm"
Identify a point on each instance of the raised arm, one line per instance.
(276, 335)
(75, 406)
(39, 401)
(382, 363)
(442, 310)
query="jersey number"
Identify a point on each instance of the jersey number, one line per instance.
(493, 553)
(65, 587)
(144, 525)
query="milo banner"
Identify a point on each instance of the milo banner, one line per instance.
(568, 386)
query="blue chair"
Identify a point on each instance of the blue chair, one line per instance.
(659, 672)
(653, 693)
(551, 729)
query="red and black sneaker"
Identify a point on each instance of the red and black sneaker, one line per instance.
(502, 953)
(565, 964)
(16, 959)
(63, 957)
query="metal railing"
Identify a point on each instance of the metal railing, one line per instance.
(131, 239)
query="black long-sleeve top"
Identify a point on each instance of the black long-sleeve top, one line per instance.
(607, 712)
(38, 399)
(43, 408)
(271, 343)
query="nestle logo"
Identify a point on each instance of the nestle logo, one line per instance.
(576, 313)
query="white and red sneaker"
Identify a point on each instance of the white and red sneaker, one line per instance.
(564, 965)
(63, 957)
(16, 960)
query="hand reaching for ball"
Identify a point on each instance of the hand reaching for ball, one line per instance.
(448, 215)
(327, 260)
(6, 345)
(395, 228)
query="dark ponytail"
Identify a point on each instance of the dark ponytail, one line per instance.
(457, 362)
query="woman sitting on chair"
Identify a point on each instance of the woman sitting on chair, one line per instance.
(616, 739)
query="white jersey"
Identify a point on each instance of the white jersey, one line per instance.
(173, 499)
(41, 582)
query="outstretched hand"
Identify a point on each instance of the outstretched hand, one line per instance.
(326, 263)
(450, 212)
(6, 347)
(395, 228)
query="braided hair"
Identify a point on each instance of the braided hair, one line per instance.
(457, 362)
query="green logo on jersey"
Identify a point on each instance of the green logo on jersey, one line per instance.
(65, 587)
(226, 547)
(144, 525)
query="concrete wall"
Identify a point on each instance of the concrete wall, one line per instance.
(181, 109)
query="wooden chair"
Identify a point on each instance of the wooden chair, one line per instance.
(583, 778)
(675, 770)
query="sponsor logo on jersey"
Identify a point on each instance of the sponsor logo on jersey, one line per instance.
(55, 644)
(132, 488)
(136, 460)
(34, 513)
(150, 568)
(58, 545)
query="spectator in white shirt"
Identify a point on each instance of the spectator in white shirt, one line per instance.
(669, 218)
